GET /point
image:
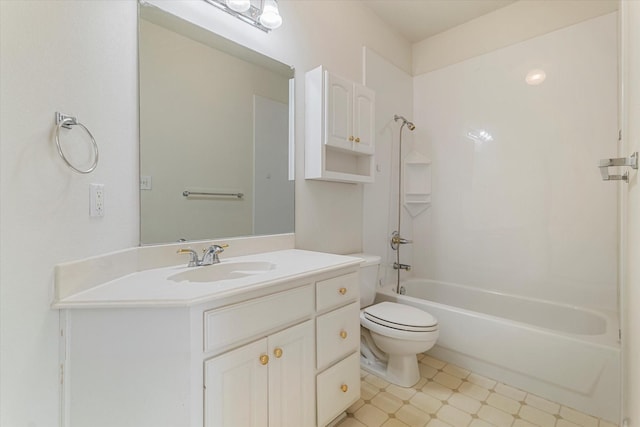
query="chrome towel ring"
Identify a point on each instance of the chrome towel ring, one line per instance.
(67, 122)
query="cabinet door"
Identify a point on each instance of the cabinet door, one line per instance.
(236, 386)
(291, 377)
(338, 112)
(364, 120)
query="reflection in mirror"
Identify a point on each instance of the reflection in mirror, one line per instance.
(214, 124)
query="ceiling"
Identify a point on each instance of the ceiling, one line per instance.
(418, 19)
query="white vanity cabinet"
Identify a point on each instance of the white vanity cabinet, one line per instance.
(266, 383)
(339, 128)
(282, 353)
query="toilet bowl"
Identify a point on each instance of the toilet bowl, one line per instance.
(392, 334)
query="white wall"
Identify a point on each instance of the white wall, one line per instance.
(79, 58)
(394, 95)
(526, 213)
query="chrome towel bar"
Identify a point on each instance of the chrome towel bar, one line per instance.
(187, 193)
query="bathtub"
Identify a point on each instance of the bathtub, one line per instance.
(566, 354)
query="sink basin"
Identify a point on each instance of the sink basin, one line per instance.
(223, 271)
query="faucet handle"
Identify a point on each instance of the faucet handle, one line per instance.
(193, 261)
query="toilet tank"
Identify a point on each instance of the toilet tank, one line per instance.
(368, 277)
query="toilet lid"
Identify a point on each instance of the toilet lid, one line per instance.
(401, 316)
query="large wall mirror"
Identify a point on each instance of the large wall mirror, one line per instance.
(214, 135)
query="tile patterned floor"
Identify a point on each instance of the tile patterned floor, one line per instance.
(449, 396)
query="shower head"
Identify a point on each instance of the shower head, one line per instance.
(409, 124)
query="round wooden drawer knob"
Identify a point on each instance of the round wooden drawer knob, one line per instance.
(264, 359)
(342, 291)
(343, 335)
(344, 388)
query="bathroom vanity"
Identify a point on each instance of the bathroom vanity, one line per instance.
(272, 340)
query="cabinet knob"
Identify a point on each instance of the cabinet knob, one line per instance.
(344, 388)
(343, 334)
(342, 291)
(264, 359)
(277, 352)
(357, 139)
(351, 138)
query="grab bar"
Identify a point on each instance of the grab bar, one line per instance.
(187, 193)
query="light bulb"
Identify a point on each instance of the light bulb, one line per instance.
(239, 5)
(270, 17)
(535, 77)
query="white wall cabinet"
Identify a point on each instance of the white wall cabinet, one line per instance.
(339, 128)
(283, 356)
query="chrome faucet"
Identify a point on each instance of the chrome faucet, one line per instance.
(209, 257)
(398, 266)
(396, 240)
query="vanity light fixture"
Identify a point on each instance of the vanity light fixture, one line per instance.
(262, 14)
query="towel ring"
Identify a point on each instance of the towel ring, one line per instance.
(64, 121)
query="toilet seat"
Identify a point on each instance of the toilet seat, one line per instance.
(400, 316)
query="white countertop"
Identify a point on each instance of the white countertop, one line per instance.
(155, 288)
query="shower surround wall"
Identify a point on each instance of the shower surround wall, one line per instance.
(525, 212)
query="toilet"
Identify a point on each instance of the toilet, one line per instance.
(392, 334)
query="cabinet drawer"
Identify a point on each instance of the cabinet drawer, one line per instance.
(225, 326)
(336, 291)
(338, 334)
(337, 388)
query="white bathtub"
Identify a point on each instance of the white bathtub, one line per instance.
(566, 354)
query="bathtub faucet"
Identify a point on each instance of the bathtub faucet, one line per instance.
(397, 266)
(396, 240)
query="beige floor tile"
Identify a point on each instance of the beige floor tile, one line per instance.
(578, 417)
(477, 422)
(447, 380)
(437, 390)
(431, 361)
(495, 416)
(387, 402)
(351, 422)
(536, 416)
(483, 382)
(392, 422)
(412, 416)
(402, 393)
(426, 402)
(474, 391)
(371, 416)
(604, 423)
(503, 403)
(438, 423)
(466, 403)
(565, 423)
(353, 408)
(510, 392)
(542, 404)
(454, 416)
(377, 381)
(368, 390)
(522, 423)
(427, 371)
(456, 371)
(418, 386)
